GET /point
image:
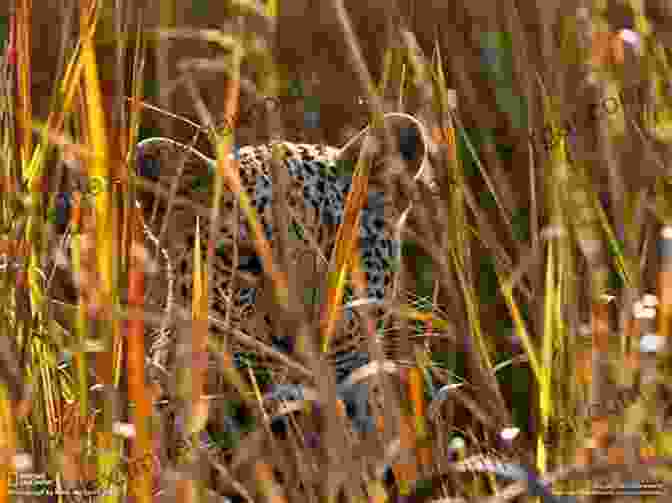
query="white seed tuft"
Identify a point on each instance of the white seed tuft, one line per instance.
(457, 443)
(22, 462)
(125, 430)
(651, 343)
(650, 300)
(509, 433)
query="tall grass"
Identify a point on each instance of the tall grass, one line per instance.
(572, 291)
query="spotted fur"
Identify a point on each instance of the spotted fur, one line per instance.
(317, 199)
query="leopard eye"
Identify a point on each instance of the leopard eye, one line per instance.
(149, 166)
(251, 264)
(61, 210)
(409, 141)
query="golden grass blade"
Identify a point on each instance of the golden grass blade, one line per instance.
(98, 167)
(346, 245)
(417, 392)
(545, 396)
(7, 443)
(137, 386)
(272, 9)
(22, 26)
(664, 331)
(226, 170)
(422, 423)
(199, 411)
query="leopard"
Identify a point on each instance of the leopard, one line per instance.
(175, 201)
(320, 178)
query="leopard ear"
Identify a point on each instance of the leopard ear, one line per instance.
(413, 143)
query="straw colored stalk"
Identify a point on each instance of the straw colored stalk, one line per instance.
(346, 243)
(424, 448)
(99, 167)
(448, 168)
(190, 378)
(199, 339)
(414, 424)
(108, 362)
(557, 260)
(20, 31)
(136, 107)
(352, 257)
(7, 444)
(271, 85)
(24, 113)
(443, 135)
(285, 246)
(664, 440)
(141, 445)
(97, 136)
(227, 168)
(343, 250)
(162, 50)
